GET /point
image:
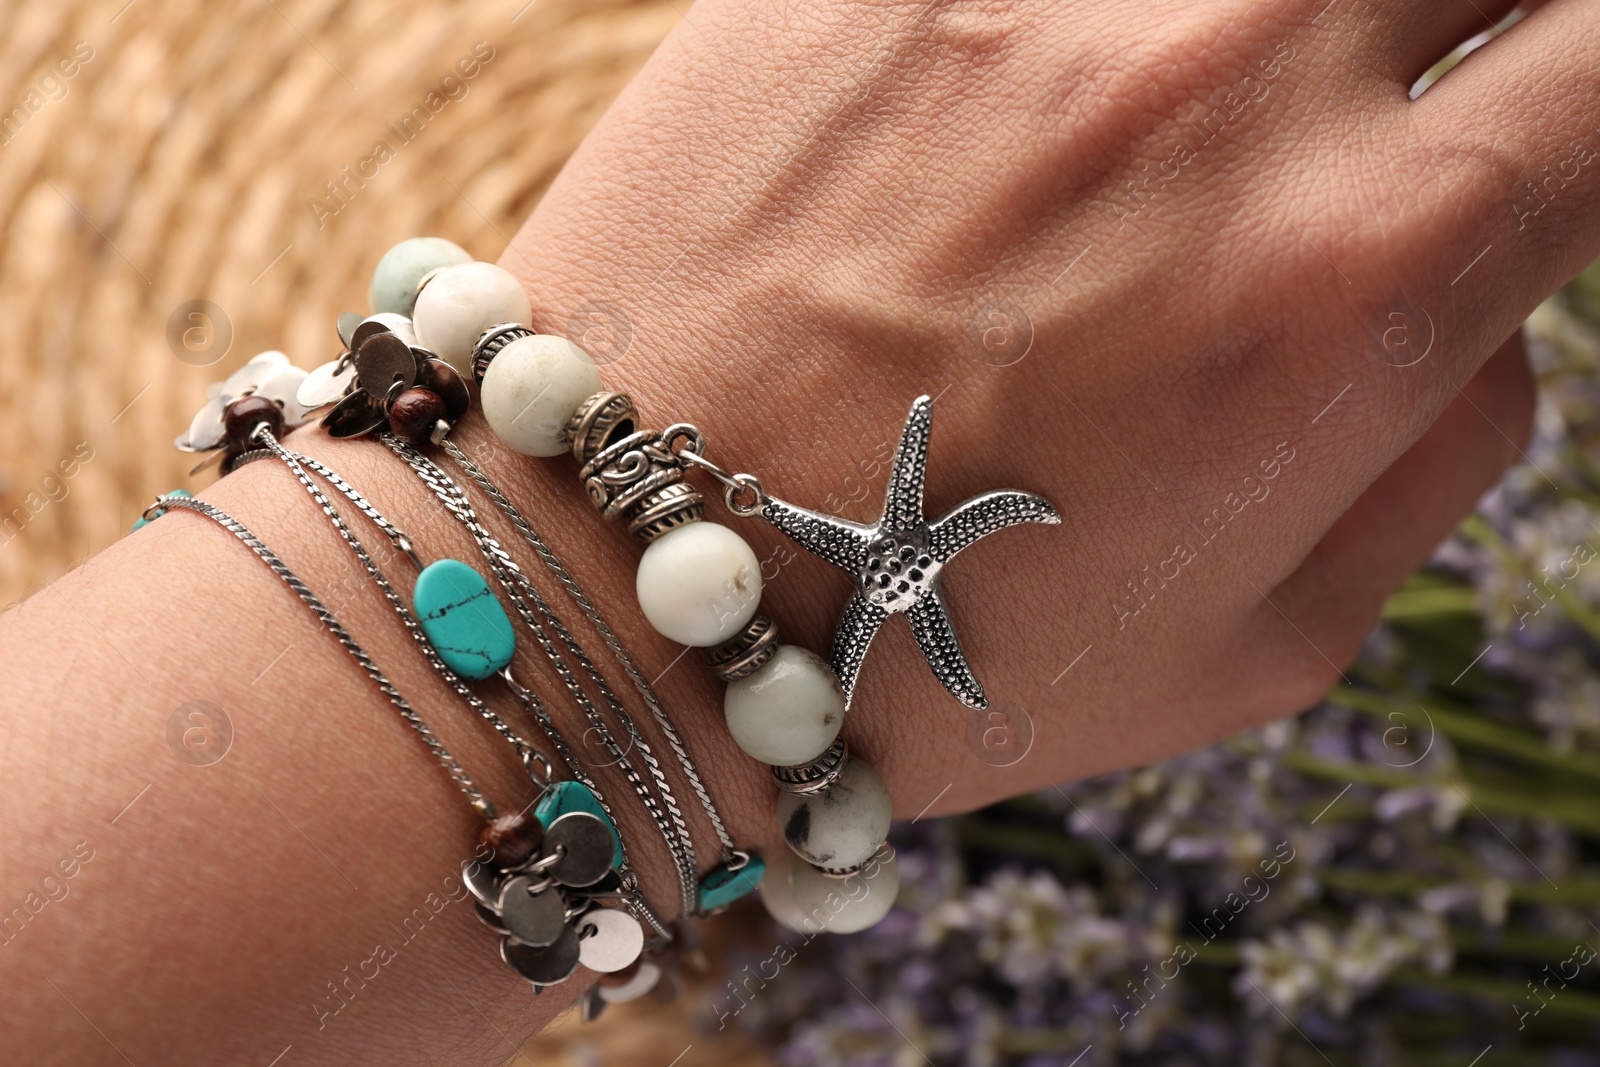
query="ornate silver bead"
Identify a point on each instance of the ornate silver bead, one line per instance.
(490, 342)
(811, 778)
(667, 508)
(631, 473)
(601, 420)
(746, 652)
(842, 872)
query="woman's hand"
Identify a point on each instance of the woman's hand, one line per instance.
(1203, 275)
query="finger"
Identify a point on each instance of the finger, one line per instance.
(1520, 110)
(1319, 616)
(1411, 38)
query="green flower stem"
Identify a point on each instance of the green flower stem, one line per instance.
(1479, 530)
(1470, 729)
(1575, 812)
(1409, 605)
(1570, 1003)
(1395, 884)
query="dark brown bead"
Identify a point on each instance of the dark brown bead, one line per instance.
(513, 839)
(618, 979)
(414, 413)
(245, 414)
(443, 379)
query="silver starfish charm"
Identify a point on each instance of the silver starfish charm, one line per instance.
(897, 559)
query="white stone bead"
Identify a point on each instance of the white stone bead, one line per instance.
(531, 390)
(698, 584)
(803, 899)
(459, 303)
(402, 267)
(844, 824)
(787, 712)
(777, 890)
(649, 974)
(848, 905)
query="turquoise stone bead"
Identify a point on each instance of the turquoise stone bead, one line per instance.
(402, 267)
(464, 622)
(724, 886)
(563, 797)
(142, 521)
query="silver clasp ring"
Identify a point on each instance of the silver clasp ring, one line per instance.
(733, 485)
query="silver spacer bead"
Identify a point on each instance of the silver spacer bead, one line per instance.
(841, 872)
(745, 652)
(635, 473)
(667, 508)
(601, 421)
(491, 341)
(808, 779)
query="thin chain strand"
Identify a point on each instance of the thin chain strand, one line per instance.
(297, 464)
(511, 576)
(325, 614)
(524, 751)
(620, 651)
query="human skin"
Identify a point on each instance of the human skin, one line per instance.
(801, 211)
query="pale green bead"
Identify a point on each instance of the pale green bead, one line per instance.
(787, 712)
(846, 905)
(698, 584)
(531, 388)
(402, 267)
(844, 824)
(808, 902)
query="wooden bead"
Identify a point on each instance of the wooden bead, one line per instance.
(443, 379)
(245, 414)
(513, 839)
(414, 412)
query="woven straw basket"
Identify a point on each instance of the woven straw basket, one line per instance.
(159, 153)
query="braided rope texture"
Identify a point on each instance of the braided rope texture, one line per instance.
(179, 162)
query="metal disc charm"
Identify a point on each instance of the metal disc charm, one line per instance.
(488, 918)
(482, 881)
(206, 431)
(346, 325)
(326, 384)
(383, 360)
(439, 376)
(649, 974)
(261, 367)
(283, 389)
(608, 940)
(585, 845)
(535, 919)
(353, 416)
(544, 966)
(382, 322)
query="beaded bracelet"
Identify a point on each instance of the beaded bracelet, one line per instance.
(440, 320)
(268, 396)
(699, 583)
(540, 889)
(551, 892)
